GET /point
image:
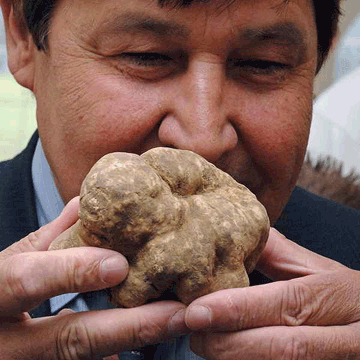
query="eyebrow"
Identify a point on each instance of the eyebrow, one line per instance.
(139, 23)
(285, 33)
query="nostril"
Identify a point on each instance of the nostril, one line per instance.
(230, 135)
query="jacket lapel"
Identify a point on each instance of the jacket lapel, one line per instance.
(17, 204)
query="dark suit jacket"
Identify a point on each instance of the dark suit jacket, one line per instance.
(320, 225)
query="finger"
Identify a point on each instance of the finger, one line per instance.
(41, 239)
(95, 335)
(323, 299)
(30, 278)
(65, 312)
(283, 259)
(290, 343)
(119, 330)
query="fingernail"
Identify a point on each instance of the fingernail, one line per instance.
(198, 317)
(177, 324)
(114, 269)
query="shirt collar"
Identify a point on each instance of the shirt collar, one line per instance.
(48, 207)
(48, 201)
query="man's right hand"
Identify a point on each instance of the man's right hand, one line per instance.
(29, 275)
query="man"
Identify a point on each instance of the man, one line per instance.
(230, 80)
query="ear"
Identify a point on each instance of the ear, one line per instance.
(20, 46)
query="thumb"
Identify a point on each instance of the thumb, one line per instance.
(41, 239)
(282, 259)
(98, 334)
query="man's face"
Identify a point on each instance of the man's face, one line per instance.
(232, 83)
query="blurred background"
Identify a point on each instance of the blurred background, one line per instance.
(17, 105)
(17, 108)
(343, 47)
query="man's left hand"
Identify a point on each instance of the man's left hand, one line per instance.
(312, 311)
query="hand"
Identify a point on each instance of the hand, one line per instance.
(316, 315)
(29, 275)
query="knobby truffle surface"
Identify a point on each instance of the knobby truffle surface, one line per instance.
(182, 223)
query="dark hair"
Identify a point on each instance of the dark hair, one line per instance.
(36, 15)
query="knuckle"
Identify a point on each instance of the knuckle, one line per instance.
(290, 347)
(19, 285)
(82, 272)
(353, 349)
(297, 305)
(73, 341)
(26, 244)
(79, 273)
(32, 239)
(238, 313)
(145, 331)
(217, 347)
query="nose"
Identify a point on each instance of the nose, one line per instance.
(198, 119)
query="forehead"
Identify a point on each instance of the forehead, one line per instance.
(181, 7)
(176, 19)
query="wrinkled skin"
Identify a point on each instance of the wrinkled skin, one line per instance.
(243, 105)
(182, 224)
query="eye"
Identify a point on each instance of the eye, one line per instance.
(260, 67)
(146, 59)
(152, 66)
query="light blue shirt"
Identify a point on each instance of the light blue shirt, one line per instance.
(49, 206)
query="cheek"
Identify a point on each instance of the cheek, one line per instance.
(107, 115)
(276, 134)
(282, 136)
(88, 109)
